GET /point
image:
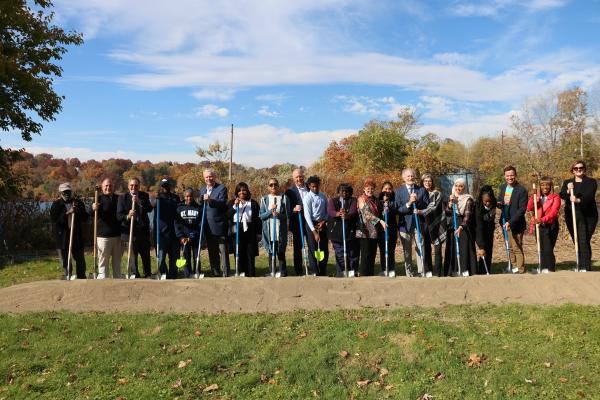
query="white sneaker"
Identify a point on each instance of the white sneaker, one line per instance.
(428, 275)
(545, 271)
(132, 276)
(100, 276)
(73, 277)
(163, 277)
(583, 270)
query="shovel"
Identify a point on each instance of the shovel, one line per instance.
(181, 261)
(319, 254)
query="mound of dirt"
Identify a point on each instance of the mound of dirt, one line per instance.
(251, 295)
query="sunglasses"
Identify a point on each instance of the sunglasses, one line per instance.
(273, 184)
(578, 169)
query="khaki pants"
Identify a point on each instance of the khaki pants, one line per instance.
(109, 248)
(517, 257)
(408, 240)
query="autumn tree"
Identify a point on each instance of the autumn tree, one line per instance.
(30, 48)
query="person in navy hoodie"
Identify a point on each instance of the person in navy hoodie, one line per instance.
(215, 228)
(169, 245)
(187, 229)
(295, 194)
(407, 197)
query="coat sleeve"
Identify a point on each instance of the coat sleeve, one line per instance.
(264, 212)
(220, 200)
(587, 193)
(122, 210)
(57, 214)
(552, 213)
(331, 209)
(564, 192)
(521, 207)
(401, 204)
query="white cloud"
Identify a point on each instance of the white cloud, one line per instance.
(211, 110)
(491, 8)
(202, 44)
(265, 145)
(275, 98)
(468, 129)
(221, 94)
(437, 107)
(266, 112)
(382, 107)
(84, 153)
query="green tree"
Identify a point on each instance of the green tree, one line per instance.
(30, 47)
(383, 145)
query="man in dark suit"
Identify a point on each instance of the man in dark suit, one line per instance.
(61, 213)
(169, 244)
(295, 194)
(141, 227)
(512, 200)
(408, 197)
(215, 228)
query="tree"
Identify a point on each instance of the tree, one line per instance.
(30, 47)
(383, 145)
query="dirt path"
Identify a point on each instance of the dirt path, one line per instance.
(249, 295)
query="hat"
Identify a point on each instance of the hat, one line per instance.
(165, 182)
(64, 187)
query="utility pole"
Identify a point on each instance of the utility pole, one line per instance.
(230, 152)
(581, 145)
(502, 147)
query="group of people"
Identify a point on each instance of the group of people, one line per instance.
(358, 227)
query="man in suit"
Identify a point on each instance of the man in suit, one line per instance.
(512, 200)
(408, 197)
(215, 196)
(295, 194)
(141, 227)
(165, 207)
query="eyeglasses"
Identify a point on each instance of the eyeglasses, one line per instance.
(273, 184)
(578, 169)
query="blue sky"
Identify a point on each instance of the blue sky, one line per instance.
(155, 79)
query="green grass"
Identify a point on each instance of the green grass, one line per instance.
(528, 353)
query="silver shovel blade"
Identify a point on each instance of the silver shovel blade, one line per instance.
(351, 274)
(465, 273)
(391, 274)
(514, 270)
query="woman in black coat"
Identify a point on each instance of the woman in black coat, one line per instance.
(586, 212)
(250, 227)
(485, 224)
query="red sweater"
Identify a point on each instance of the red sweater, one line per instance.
(548, 213)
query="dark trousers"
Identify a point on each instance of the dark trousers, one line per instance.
(314, 267)
(280, 265)
(218, 254)
(141, 247)
(168, 248)
(297, 248)
(78, 257)
(548, 237)
(351, 256)
(432, 264)
(247, 258)
(190, 251)
(585, 230)
(392, 241)
(368, 251)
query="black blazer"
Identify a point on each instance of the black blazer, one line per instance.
(515, 213)
(586, 191)
(60, 223)
(254, 228)
(293, 194)
(142, 222)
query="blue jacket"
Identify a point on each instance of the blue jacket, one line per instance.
(216, 220)
(406, 217)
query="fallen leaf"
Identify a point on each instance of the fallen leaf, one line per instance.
(11, 379)
(547, 364)
(563, 379)
(426, 396)
(272, 381)
(439, 376)
(531, 381)
(263, 378)
(344, 354)
(119, 328)
(476, 360)
(277, 372)
(211, 388)
(197, 333)
(123, 381)
(183, 364)
(315, 393)
(383, 372)
(177, 384)
(388, 387)
(363, 335)
(580, 394)
(364, 383)
(302, 335)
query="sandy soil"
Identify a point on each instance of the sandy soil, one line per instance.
(279, 295)
(250, 295)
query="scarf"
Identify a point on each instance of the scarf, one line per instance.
(462, 202)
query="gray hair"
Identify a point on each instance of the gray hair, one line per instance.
(461, 180)
(189, 190)
(426, 176)
(408, 169)
(210, 172)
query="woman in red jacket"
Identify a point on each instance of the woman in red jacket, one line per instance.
(548, 204)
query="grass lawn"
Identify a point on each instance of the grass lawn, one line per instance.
(451, 353)
(495, 352)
